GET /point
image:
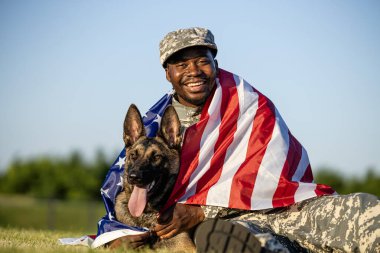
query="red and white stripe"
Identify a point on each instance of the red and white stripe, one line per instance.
(242, 155)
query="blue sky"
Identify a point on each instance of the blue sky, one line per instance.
(70, 69)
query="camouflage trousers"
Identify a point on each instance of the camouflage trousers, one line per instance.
(339, 223)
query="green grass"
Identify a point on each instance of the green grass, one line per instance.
(26, 212)
(14, 240)
(28, 240)
(30, 225)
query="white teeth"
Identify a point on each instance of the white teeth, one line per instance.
(151, 185)
(194, 84)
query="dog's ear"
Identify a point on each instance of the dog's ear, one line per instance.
(133, 126)
(170, 129)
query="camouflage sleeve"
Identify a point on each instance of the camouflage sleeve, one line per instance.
(221, 212)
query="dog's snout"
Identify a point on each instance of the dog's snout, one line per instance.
(133, 175)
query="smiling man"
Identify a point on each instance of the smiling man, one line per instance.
(245, 182)
(192, 72)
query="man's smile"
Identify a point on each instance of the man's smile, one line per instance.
(196, 86)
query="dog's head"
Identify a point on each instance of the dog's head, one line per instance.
(150, 161)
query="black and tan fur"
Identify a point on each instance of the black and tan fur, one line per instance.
(151, 159)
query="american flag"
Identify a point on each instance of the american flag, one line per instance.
(239, 155)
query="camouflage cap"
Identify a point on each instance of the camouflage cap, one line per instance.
(183, 38)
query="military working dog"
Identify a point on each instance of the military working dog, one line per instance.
(150, 171)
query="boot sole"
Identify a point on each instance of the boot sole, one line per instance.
(220, 236)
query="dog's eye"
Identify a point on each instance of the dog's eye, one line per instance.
(157, 158)
(133, 156)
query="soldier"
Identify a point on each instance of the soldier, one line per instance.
(323, 223)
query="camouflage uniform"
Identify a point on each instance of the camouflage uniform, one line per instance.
(330, 223)
(339, 223)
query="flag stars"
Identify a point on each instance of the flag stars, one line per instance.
(105, 192)
(121, 181)
(121, 162)
(157, 119)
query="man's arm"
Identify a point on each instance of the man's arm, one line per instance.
(178, 219)
(185, 217)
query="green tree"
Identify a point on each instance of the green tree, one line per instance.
(52, 177)
(368, 183)
(330, 177)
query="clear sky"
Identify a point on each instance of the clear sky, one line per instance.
(70, 69)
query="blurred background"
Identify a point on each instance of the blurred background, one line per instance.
(70, 69)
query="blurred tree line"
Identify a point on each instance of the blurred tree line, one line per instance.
(369, 183)
(73, 177)
(70, 177)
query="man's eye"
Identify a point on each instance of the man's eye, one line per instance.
(181, 65)
(204, 61)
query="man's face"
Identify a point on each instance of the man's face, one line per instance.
(192, 72)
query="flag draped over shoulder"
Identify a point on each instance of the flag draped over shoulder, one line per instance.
(239, 155)
(242, 155)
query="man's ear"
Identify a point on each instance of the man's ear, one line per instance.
(170, 128)
(167, 73)
(133, 126)
(216, 67)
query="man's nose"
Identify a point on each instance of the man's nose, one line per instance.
(193, 69)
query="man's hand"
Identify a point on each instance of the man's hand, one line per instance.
(130, 241)
(178, 219)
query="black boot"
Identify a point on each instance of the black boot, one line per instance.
(220, 236)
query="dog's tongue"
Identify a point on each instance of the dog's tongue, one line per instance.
(137, 201)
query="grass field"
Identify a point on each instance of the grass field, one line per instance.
(14, 240)
(34, 225)
(30, 213)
